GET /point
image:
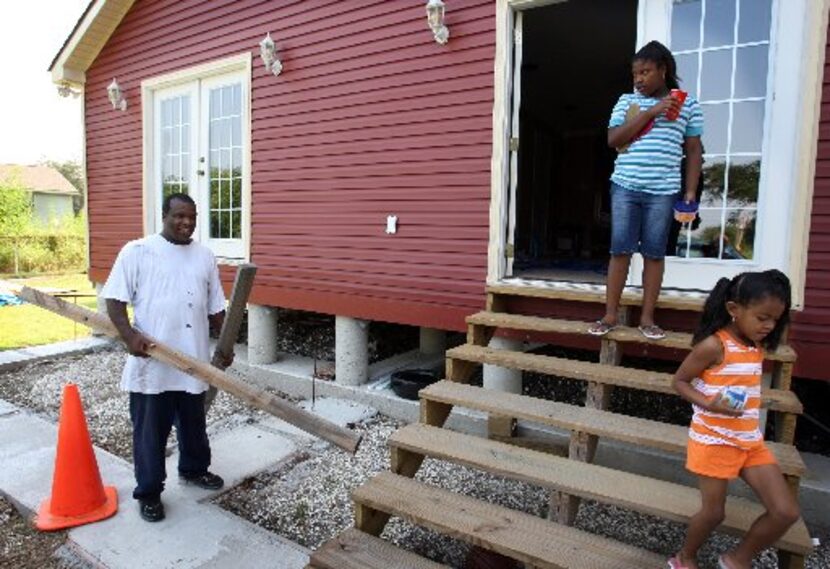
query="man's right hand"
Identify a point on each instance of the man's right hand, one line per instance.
(138, 345)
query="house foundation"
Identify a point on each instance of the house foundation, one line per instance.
(432, 341)
(351, 350)
(262, 334)
(499, 378)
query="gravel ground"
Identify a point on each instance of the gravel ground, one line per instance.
(307, 498)
(21, 546)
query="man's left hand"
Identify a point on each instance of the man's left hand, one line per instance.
(222, 361)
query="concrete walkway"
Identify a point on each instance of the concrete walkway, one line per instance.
(13, 359)
(195, 532)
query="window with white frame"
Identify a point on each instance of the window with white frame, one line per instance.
(722, 49)
(200, 127)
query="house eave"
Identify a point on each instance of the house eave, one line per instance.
(90, 34)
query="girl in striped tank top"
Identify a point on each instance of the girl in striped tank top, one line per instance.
(721, 377)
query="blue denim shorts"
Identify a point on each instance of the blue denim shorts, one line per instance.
(640, 222)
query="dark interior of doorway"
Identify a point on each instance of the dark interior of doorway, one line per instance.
(575, 64)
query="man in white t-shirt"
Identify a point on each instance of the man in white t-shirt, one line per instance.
(173, 284)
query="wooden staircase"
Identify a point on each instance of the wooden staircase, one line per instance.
(537, 542)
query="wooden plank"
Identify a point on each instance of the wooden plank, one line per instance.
(368, 519)
(785, 424)
(775, 399)
(782, 375)
(625, 334)
(242, 284)
(353, 549)
(583, 445)
(631, 491)
(520, 536)
(788, 560)
(680, 302)
(434, 413)
(259, 398)
(642, 432)
(479, 335)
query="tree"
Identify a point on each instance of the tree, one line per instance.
(15, 208)
(73, 172)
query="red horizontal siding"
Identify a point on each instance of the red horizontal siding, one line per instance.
(369, 118)
(809, 331)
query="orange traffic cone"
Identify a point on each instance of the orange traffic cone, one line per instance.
(78, 497)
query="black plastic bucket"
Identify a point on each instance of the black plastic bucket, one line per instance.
(407, 383)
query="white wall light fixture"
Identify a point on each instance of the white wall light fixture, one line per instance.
(268, 53)
(435, 19)
(116, 96)
(65, 89)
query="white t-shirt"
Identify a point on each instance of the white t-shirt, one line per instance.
(173, 288)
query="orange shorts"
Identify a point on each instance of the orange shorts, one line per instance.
(723, 461)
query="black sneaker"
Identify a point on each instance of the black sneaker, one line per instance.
(151, 510)
(208, 481)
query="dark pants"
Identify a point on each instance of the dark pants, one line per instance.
(153, 416)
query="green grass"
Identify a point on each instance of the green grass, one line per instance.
(28, 325)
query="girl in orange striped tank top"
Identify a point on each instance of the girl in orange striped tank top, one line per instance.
(721, 377)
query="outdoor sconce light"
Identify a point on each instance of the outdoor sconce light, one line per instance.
(65, 89)
(435, 19)
(268, 53)
(116, 96)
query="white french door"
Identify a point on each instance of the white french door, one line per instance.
(741, 59)
(200, 148)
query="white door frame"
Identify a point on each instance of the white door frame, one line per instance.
(186, 79)
(798, 45)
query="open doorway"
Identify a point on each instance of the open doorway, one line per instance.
(575, 63)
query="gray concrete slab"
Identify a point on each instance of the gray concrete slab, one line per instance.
(27, 452)
(13, 359)
(194, 534)
(7, 408)
(236, 455)
(339, 411)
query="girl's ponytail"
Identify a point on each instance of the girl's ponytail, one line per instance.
(745, 289)
(714, 316)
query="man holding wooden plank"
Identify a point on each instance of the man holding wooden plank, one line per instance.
(173, 284)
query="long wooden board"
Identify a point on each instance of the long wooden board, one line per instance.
(605, 424)
(259, 398)
(242, 285)
(354, 549)
(628, 334)
(589, 481)
(524, 537)
(775, 399)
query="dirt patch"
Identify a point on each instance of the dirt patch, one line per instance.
(23, 547)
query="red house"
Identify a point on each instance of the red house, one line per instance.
(383, 175)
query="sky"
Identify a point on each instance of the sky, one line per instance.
(36, 123)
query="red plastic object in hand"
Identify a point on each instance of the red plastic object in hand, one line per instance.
(680, 95)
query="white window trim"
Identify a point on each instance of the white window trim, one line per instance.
(798, 87)
(149, 87)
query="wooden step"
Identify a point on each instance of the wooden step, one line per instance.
(644, 432)
(354, 549)
(687, 301)
(590, 481)
(775, 399)
(677, 340)
(524, 537)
